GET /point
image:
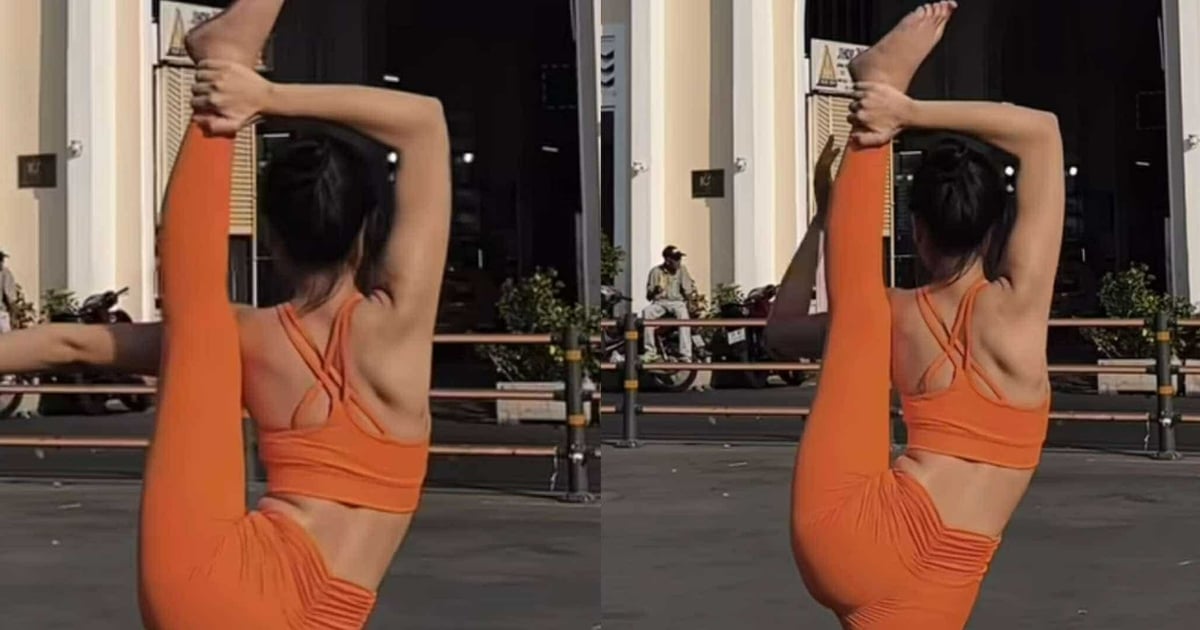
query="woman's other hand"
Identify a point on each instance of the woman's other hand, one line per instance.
(227, 96)
(878, 113)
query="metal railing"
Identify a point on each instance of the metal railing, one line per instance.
(1164, 415)
(575, 451)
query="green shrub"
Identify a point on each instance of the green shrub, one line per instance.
(612, 260)
(57, 302)
(1129, 294)
(533, 305)
(22, 313)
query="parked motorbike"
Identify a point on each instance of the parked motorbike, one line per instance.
(96, 309)
(746, 344)
(666, 341)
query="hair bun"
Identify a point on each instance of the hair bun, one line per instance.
(307, 157)
(949, 160)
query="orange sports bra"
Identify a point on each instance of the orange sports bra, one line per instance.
(961, 420)
(341, 460)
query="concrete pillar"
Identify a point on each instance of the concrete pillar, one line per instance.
(1181, 22)
(647, 233)
(91, 134)
(753, 143)
(148, 54)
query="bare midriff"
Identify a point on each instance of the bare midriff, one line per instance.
(357, 544)
(970, 496)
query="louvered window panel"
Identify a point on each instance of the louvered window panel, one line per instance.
(827, 116)
(173, 85)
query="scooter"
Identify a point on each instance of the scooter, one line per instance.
(96, 309)
(666, 340)
(746, 344)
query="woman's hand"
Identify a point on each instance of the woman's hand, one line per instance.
(228, 96)
(823, 176)
(878, 113)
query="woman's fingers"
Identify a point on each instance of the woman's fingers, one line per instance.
(207, 76)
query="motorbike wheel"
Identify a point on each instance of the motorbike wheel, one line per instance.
(92, 404)
(137, 402)
(10, 403)
(674, 382)
(755, 380)
(792, 377)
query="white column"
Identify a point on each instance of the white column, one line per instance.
(618, 103)
(1189, 92)
(753, 143)
(647, 231)
(803, 180)
(91, 130)
(148, 55)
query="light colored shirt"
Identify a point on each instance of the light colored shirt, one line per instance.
(8, 289)
(675, 286)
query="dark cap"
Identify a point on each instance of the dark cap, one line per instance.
(673, 253)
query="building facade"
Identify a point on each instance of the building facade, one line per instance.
(77, 87)
(97, 96)
(730, 91)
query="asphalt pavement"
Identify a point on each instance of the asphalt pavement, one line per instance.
(696, 537)
(472, 561)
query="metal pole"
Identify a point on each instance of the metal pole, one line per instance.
(630, 371)
(1165, 398)
(577, 479)
(250, 447)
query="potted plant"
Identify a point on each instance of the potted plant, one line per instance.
(57, 302)
(533, 305)
(612, 261)
(1130, 294)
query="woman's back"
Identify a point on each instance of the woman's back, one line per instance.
(283, 392)
(1010, 352)
(1002, 371)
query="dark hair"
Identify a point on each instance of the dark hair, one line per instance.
(959, 198)
(320, 196)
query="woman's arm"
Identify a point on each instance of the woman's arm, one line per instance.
(792, 331)
(229, 96)
(131, 348)
(1030, 259)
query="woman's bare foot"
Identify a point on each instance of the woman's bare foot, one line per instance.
(895, 58)
(237, 34)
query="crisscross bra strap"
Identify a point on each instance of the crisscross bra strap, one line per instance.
(954, 339)
(327, 366)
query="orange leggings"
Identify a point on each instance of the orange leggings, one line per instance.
(204, 562)
(868, 540)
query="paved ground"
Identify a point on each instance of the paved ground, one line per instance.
(1102, 435)
(474, 561)
(695, 536)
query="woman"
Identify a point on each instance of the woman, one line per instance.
(337, 379)
(906, 544)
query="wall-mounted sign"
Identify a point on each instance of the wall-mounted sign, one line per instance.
(708, 184)
(830, 66)
(611, 47)
(37, 171)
